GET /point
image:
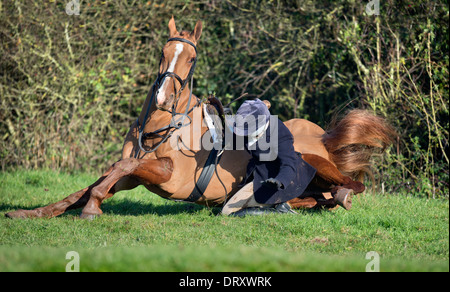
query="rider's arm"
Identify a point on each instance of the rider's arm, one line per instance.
(287, 158)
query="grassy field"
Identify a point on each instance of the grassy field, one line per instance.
(140, 231)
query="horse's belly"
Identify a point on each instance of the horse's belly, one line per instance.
(307, 137)
(231, 169)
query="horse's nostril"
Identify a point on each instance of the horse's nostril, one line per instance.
(172, 96)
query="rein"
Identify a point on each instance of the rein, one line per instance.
(175, 123)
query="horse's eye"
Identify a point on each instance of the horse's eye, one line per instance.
(191, 60)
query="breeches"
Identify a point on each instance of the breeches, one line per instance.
(244, 198)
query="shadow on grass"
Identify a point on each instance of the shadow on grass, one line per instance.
(133, 208)
(127, 207)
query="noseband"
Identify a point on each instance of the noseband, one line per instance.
(175, 123)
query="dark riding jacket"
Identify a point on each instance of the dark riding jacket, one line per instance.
(286, 165)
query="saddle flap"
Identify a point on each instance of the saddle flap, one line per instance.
(215, 119)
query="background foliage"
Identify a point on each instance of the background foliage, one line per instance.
(70, 86)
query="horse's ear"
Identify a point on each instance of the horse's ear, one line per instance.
(172, 28)
(197, 32)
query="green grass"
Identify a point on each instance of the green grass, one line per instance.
(140, 231)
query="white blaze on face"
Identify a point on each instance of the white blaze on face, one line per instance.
(162, 90)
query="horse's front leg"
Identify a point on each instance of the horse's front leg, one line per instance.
(145, 171)
(73, 201)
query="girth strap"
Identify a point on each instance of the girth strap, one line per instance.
(205, 177)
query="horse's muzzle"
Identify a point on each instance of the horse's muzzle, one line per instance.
(167, 103)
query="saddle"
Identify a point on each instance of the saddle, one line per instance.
(214, 115)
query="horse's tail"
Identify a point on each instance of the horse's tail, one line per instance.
(353, 140)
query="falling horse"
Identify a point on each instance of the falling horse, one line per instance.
(339, 155)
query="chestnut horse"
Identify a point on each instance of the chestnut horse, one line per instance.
(148, 158)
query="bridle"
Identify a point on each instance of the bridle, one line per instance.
(175, 123)
(214, 156)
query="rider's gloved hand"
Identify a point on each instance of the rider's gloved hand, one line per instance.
(273, 183)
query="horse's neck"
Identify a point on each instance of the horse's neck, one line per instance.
(184, 100)
(157, 119)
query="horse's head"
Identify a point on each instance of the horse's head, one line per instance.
(177, 64)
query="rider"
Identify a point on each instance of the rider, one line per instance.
(275, 173)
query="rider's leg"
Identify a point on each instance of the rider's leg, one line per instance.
(244, 198)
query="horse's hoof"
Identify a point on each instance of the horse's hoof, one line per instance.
(20, 214)
(343, 198)
(89, 217)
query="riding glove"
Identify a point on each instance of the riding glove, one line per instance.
(273, 183)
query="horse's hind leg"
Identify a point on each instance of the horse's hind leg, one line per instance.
(315, 200)
(328, 173)
(146, 171)
(328, 188)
